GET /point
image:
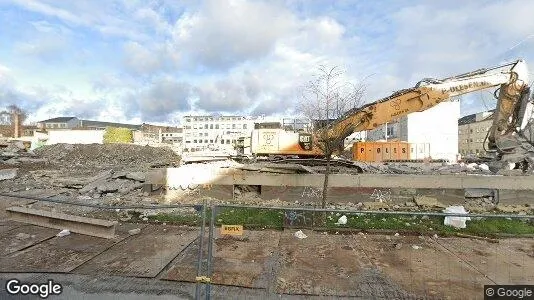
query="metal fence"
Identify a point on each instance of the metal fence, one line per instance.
(232, 251)
(313, 252)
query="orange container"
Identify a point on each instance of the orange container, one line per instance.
(380, 151)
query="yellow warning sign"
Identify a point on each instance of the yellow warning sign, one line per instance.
(232, 229)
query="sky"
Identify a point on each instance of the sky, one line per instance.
(155, 61)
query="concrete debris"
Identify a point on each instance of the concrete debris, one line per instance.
(514, 208)
(6, 174)
(134, 231)
(403, 169)
(138, 176)
(375, 205)
(483, 167)
(429, 202)
(63, 233)
(478, 193)
(342, 220)
(456, 222)
(397, 246)
(415, 247)
(104, 156)
(300, 235)
(278, 168)
(409, 204)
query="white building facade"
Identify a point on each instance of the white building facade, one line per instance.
(205, 133)
(435, 130)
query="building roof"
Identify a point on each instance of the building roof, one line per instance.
(90, 123)
(467, 119)
(58, 120)
(472, 118)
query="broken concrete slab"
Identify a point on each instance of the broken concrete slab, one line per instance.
(83, 225)
(6, 174)
(514, 208)
(138, 176)
(478, 193)
(375, 205)
(426, 201)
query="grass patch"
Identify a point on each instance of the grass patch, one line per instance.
(255, 218)
(251, 218)
(177, 219)
(420, 224)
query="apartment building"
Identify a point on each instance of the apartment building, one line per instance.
(472, 131)
(202, 133)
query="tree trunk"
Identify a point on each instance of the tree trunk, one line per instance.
(325, 184)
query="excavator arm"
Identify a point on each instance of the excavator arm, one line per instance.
(512, 114)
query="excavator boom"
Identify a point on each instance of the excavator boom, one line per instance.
(513, 79)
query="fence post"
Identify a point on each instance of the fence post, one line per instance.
(211, 238)
(201, 249)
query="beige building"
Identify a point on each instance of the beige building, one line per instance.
(472, 131)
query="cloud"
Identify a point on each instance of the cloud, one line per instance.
(161, 99)
(154, 60)
(224, 33)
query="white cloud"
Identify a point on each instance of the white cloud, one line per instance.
(253, 56)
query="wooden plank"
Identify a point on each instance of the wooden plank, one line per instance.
(83, 225)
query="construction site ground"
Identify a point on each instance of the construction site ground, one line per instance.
(161, 261)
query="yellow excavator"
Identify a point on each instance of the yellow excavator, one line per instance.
(506, 142)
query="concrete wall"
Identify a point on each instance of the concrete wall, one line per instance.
(75, 137)
(437, 126)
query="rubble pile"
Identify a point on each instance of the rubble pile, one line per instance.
(117, 156)
(16, 152)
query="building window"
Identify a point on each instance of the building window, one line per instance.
(216, 126)
(222, 141)
(244, 126)
(206, 141)
(205, 126)
(187, 120)
(200, 141)
(211, 141)
(233, 126)
(211, 126)
(227, 141)
(195, 141)
(470, 130)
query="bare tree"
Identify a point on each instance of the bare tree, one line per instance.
(326, 99)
